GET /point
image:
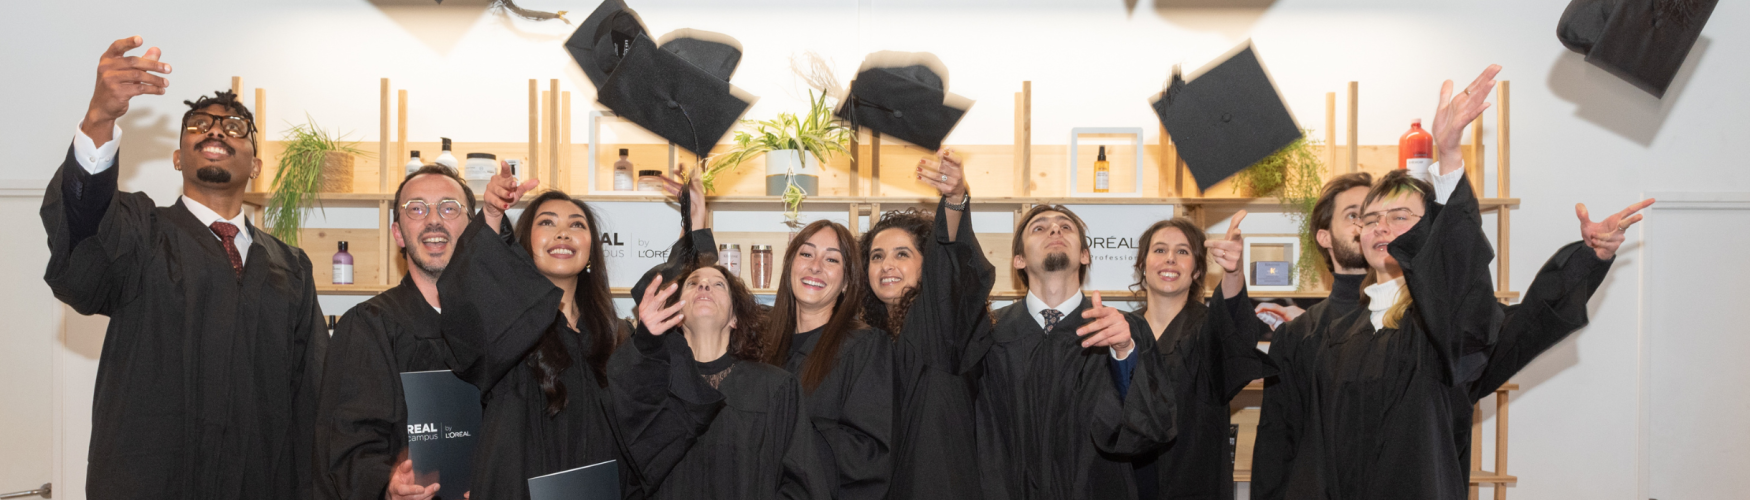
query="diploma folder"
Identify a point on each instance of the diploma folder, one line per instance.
(443, 424)
(591, 482)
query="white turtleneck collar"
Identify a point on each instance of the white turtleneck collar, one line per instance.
(1380, 297)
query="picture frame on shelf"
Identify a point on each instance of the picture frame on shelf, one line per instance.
(1079, 189)
(1270, 262)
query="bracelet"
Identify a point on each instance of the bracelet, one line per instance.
(965, 202)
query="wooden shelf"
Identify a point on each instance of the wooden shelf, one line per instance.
(747, 203)
(1245, 476)
(1125, 295)
(352, 289)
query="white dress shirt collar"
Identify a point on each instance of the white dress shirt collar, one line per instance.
(207, 217)
(1036, 306)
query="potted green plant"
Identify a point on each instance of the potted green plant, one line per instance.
(314, 161)
(1292, 175)
(794, 147)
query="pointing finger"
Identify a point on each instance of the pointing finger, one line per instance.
(1233, 228)
(1097, 303)
(1635, 208)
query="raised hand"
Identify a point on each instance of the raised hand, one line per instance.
(1605, 236)
(652, 315)
(945, 173)
(120, 77)
(1452, 115)
(503, 191)
(402, 485)
(695, 189)
(1106, 326)
(1230, 254)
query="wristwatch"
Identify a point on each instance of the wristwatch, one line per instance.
(965, 202)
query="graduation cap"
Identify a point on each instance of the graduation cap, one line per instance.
(679, 91)
(904, 95)
(1641, 41)
(1226, 119)
(603, 38)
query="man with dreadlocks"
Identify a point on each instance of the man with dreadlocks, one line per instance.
(206, 387)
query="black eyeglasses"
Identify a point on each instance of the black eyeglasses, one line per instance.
(199, 122)
(447, 209)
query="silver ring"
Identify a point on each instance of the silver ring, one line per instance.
(944, 177)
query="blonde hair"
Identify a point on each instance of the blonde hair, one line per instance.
(1394, 315)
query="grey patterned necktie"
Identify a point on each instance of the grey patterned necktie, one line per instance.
(1052, 316)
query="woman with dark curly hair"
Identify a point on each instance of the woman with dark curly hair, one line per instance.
(746, 431)
(935, 322)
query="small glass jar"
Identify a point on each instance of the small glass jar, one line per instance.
(761, 267)
(479, 169)
(729, 256)
(650, 180)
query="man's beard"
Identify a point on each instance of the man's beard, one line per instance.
(427, 263)
(1348, 256)
(1056, 262)
(214, 175)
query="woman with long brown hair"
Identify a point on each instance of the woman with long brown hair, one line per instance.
(846, 371)
(737, 426)
(1205, 358)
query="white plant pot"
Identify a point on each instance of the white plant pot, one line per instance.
(782, 162)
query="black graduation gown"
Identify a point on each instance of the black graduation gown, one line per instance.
(496, 307)
(852, 411)
(1393, 406)
(362, 412)
(755, 441)
(1209, 359)
(1050, 423)
(207, 382)
(935, 369)
(1295, 349)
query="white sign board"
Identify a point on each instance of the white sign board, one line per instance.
(635, 236)
(1113, 234)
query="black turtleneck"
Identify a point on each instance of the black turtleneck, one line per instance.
(1345, 292)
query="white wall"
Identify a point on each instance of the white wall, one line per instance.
(1579, 135)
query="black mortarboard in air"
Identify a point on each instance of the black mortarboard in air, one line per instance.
(602, 39)
(905, 96)
(679, 91)
(1226, 119)
(1641, 41)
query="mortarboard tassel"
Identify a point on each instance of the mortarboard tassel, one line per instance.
(532, 15)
